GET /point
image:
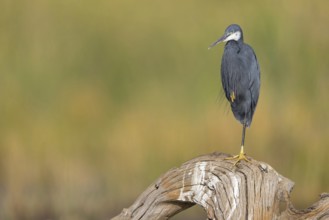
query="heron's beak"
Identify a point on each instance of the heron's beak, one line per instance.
(218, 41)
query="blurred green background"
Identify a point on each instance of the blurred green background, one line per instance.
(98, 98)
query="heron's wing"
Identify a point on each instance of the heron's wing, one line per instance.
(225, 76)
(254, 79)
(235, 73)
(232, 74)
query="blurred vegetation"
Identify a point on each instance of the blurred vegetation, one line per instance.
(98, 98)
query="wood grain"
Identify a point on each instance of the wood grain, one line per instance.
(250, 190)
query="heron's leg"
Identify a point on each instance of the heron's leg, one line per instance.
(243, 135)
(241, 155)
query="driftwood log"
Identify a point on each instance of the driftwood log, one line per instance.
(249, 190)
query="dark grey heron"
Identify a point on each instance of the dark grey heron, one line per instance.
(240, 79)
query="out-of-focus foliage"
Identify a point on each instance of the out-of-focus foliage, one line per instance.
(98, 98)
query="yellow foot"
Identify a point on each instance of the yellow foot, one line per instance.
(239, 157)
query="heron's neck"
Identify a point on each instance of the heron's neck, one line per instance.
(233, 43)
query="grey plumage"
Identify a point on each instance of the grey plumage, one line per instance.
(240, 75)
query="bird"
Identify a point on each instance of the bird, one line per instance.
(240, 76)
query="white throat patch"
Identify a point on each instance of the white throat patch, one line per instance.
(234, 36)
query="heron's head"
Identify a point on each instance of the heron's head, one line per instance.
(232, 32)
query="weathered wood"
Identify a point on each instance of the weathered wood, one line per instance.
(251, 190)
